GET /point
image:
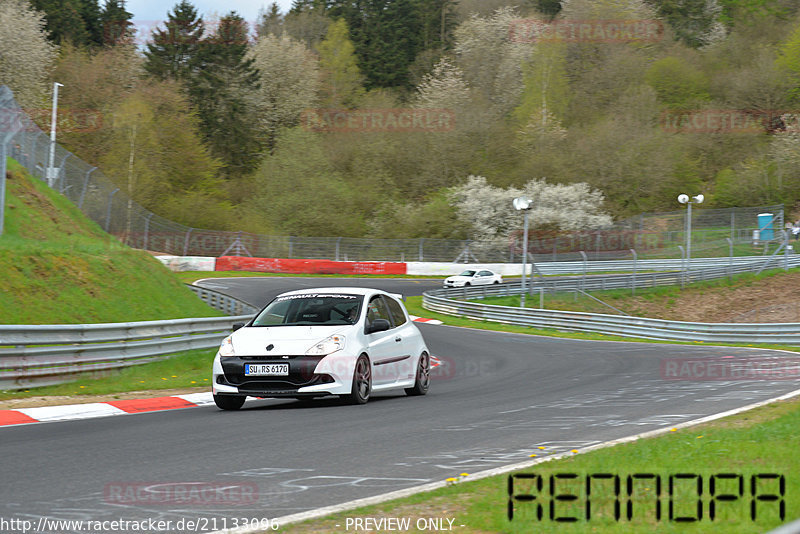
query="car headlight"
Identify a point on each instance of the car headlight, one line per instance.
(226, 348)
(328, 345)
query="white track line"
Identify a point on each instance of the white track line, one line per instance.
(377, 499)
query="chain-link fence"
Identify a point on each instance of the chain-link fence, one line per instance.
(109, 205)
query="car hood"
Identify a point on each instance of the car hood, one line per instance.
(285, 340)
(458, 278)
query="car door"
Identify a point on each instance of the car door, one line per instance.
(405, 365)
(483, 277)
(383, 346)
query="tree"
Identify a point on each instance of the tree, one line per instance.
(438, 19)
(677, 82)
(116, 23)
(26, 55)
(270, 22)
(695, 22)
(180, 183)
(491, 61)
(341, 77)
(298, 172)
(289, 81)
(546, 92)
(74, 21)
(221, 91)
(174, 51)
(95, 82)
(548, 8)
(443, 88)
(489, 211)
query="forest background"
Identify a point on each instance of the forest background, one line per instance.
(216, 123)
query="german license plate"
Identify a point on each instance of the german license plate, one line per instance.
(266, 369)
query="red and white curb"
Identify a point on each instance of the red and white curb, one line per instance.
(424, 320)
(90, 410)
(49, 414)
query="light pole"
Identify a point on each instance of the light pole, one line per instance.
(684, 199)
(50, 177)
(523, 204)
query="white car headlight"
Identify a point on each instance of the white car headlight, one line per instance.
(226, 348)
(328, 345)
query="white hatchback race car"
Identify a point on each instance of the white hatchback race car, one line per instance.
(473, 277)
(325, 341)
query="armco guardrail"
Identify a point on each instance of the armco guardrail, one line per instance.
(620, 325)
(222, 302)
(444, 301)
(52, 354)
(618, 281)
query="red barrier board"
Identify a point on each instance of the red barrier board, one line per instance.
(284, 265)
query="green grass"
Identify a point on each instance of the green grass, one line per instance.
(759, 441)
(185, 370)
(61, 268)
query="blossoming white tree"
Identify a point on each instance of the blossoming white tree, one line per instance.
(26, 55)
(489, 211)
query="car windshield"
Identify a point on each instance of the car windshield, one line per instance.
(467, 273)
(311, 309)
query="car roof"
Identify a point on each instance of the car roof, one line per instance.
(335, 290)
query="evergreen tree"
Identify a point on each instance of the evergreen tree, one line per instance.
(175, 50)
(438, 18)
(220, 91)
(65, 19)
(387, 35)
(116, 23)
(270, 22)
(549, 8)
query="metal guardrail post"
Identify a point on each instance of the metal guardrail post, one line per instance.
(62, 171)
(186, 242)
(585, 261)
(633, 279)
(108, 209)
(85, 186)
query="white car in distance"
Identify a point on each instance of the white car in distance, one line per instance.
(325, 341)
(473, 277)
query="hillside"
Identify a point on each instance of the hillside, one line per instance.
(60, 267)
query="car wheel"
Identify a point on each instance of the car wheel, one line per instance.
(496, 282)
(466, 284)
(362, 382)
(423, 380)
(228, 402)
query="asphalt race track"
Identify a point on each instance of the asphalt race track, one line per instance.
(260, 291)
(494, 400)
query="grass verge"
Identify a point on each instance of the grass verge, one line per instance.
(185, 370)
(656, 302)
(758, 442)
(59, 267)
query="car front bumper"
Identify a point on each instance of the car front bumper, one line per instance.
(309, 376)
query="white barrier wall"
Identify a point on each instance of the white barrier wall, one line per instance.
(188, 263)
(422, 268)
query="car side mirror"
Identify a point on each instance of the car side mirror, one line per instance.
(378, 325)
(237, 326)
